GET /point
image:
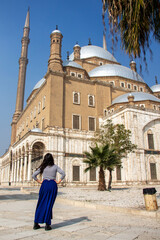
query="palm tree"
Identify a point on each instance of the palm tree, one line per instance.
(103, 157)
(136, 21)
(111, 164)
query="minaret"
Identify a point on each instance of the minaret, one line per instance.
(77, 50)
(55, 61)
(22, 76)
(133, 65)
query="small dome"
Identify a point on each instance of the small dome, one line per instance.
(94, 51)
(155, 88)
(76, 45)
(114, 70)
(38, 130)
(57, 31)
(138, 96)
(39, 84)
(71, 64)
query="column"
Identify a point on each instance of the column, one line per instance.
(18, 162)
(15, 169)
(21, 169)
(29, 167)
(12, 173)
(25, 168)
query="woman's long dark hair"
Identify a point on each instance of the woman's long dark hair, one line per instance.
(47, 161)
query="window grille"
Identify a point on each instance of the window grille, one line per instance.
(76, 120)
(76, 175)
(118, 173)
(150, 141)
(153, 171)
(91, 124)
(93, 174)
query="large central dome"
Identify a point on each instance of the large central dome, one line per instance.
(94, 51)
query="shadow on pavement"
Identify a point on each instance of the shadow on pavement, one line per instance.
(10, 189)
(19, 197)
(69, 222)
(61, 193)
(119, 189)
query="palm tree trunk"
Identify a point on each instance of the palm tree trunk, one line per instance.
(102, 184)
(110, 179)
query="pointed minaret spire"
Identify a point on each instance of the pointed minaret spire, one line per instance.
(23, 61)
(104, 41)
(67, 55)
(89, 41)
(27, 19)
(156, 80)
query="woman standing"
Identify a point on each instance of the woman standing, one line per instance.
(47, 192)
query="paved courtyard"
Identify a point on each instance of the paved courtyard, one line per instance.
(69, 221)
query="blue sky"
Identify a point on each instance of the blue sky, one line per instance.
(77, 20)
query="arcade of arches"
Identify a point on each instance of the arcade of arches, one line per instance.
(24, 162)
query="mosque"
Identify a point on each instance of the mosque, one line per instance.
(69, 103)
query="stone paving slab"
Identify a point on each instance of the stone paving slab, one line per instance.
(71, 222)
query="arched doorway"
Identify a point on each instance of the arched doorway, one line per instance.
(37, 155)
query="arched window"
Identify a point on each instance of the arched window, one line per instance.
(27, 122)
(35, 112)
(135, 87)
(39, 107)
(150, 140)
(122, 84)
(76, 98)
(141, 89)
(31, 117)
(112, 83)
(129, 86)
(91, 100)
(79, 75)
(155, 108)
(43, 124)
(73, 74)
(44, 102)
(105, 112)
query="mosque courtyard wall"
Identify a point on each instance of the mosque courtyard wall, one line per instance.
(68, 147)
(136, 167)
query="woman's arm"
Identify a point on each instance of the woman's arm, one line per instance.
(62, 174)
(34, 176)
(60, 180)
(39, 181)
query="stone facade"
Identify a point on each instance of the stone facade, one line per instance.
(68, 105)
(136, 167)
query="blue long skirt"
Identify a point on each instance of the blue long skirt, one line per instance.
(47, 197)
